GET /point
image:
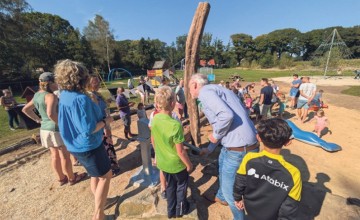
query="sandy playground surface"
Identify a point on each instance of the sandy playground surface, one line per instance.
(31, 192)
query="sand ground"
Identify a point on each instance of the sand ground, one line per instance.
(30, 191)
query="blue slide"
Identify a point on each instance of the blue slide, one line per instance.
(311, 138)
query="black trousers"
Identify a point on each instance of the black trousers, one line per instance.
(176, 190)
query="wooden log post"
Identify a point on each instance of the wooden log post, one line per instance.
(191, 61)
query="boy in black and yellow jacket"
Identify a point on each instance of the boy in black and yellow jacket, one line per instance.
(266, 185)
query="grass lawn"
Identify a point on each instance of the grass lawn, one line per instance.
(8, 137)
(353, 90)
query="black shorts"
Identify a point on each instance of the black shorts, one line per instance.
(96, 161)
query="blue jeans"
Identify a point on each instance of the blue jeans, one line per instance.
(12, 117)
(229, 162)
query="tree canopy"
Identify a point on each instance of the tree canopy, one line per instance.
(32, 40)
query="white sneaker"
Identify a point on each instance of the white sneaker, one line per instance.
(13, 129)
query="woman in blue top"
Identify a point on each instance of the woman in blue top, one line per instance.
(81, 126)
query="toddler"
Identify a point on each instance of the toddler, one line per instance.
(321, 122)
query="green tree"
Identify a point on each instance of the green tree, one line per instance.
(11, 38)
(243, 46)
(49, 38)
(98, 33)
(285, 40)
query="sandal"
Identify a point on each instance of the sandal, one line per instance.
(63, 181)
(77, 178)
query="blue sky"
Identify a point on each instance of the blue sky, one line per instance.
(167, 19)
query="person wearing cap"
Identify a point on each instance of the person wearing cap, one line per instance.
(8, 102)
(46, 103)
(81, 125)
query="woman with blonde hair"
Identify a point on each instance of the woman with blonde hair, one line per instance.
(81, 125)
(46, 103)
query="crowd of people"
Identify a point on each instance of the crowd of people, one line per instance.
(76, 121)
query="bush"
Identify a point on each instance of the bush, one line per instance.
(286, 61)
(267, 61)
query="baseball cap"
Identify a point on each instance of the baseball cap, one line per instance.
(46, 77)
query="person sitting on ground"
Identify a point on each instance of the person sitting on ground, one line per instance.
(123, 106)
(8, 102)
(141, 113)
(46, 104)
(248, 103)
(307, 94)
(92, 89)
(171, 157)
(321, 122)
(266, 185)
(317, 100)
(266, 94)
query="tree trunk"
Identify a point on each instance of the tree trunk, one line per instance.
(191, 61)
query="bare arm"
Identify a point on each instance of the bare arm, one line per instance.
(51, 102)
(261, 99)
(101, 124)
(184, 157)
(28, 111)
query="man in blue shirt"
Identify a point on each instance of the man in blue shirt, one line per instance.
(124, 109)
(295, 84)
(231, 127)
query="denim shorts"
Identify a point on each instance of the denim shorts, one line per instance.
(96, 161)
(302, 104)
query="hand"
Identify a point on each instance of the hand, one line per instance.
(131, 104)
(239, 204)
(212, 139)
(204, 151)
(109, 140)
(189, 168)
(109, 119)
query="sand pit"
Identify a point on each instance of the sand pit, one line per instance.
(329, 81)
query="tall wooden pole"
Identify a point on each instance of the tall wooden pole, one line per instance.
(191, 61)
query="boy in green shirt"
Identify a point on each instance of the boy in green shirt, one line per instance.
(171, 158)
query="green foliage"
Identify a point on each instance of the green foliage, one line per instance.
(267, 61)
(101, 39)
(33, 40)
(353, 90)
(286, 61)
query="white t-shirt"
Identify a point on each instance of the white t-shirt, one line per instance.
(173, 115)
(308, 89)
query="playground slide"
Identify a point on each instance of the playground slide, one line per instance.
(311, 138)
